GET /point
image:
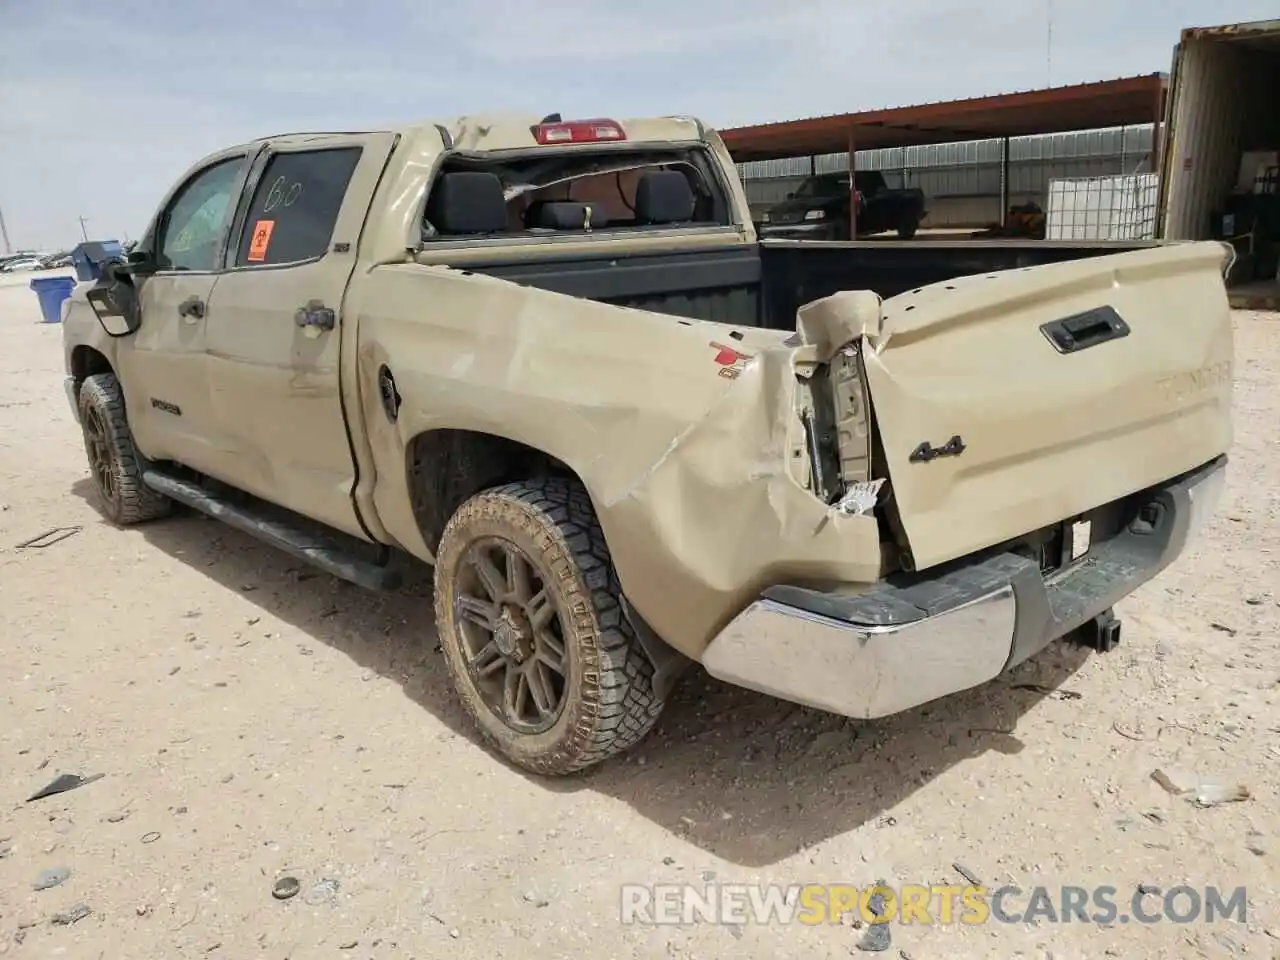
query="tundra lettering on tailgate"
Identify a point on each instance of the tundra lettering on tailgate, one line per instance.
(1180, 385)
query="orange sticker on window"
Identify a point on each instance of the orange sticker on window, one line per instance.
(260, 241)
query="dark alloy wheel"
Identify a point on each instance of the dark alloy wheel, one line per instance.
(99, 452)
(512, 636)
(529, 612)
(114, 462)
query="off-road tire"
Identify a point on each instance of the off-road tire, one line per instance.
(609, 703)
(126, 499)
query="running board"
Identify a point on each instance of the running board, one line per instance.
(325, 551)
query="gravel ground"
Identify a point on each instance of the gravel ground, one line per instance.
(252, 720)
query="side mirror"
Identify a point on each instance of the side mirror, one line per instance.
(140, 263)
(791, 195)
(114, 300)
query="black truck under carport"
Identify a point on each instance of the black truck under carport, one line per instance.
(765, 283)
(819, 209)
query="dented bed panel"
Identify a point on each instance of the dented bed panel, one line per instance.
(719, 517)
(685, 433)
(1049, 423)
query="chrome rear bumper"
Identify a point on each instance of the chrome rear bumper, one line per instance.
(908, 642)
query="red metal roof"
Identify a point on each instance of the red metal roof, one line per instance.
(1085, 106)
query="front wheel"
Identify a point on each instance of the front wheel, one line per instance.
(529, 612)
(114, 462)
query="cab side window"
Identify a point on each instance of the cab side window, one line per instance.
(192, 230)
(295, 206)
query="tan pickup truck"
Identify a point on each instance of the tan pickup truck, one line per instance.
(539, 355)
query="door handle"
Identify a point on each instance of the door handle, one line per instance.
(192, 307)
(314, 313)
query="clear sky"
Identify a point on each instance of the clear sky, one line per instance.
(103, 105)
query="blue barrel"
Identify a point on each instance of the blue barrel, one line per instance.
(52, 291)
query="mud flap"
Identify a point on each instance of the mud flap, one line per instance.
(669, 664)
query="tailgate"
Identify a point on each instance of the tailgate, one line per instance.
(1053, 419)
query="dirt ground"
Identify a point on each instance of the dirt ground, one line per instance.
(253, 720)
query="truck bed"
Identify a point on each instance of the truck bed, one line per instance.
(797, 271)
(722, 285)
(764, 284)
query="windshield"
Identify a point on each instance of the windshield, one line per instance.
(827, 185)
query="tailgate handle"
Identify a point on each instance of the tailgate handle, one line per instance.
(1084, 330)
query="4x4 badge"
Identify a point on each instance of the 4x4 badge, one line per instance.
(927, 452)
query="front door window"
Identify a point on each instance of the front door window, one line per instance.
(193, 227)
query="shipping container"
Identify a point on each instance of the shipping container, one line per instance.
(1221, 144)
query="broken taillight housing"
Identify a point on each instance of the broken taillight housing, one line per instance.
(578, 131)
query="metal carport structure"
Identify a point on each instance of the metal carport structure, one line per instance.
(1085, 106)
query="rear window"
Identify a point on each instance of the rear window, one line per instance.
(568, 192)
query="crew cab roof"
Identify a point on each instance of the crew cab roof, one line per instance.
(495, 132)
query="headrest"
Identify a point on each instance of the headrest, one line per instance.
(467, 201)
(566, 215)
(664, 196)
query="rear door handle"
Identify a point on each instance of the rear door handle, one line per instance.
(192, 307)
(314, 313)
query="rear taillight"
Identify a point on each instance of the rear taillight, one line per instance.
(577, 131)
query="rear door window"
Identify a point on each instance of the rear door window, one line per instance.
(295, 206)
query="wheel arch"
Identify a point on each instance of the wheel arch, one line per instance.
(445, 467)
(86, 361)
(83, 362)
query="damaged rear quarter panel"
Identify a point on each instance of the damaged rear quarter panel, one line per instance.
(689, 470)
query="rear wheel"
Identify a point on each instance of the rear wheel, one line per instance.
(114, 462)
(907, 229)
(531, 625)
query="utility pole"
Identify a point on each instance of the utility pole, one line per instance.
(4, 232)
(83, 232)
(1048, 52)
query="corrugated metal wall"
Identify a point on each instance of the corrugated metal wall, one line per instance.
(1225, 102)
(962, 180)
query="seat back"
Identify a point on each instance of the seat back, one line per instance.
(467, 202)
(664, 196)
